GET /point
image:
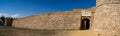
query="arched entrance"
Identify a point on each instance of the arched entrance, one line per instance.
(85, 24)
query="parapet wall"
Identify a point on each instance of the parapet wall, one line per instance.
(51, 21)
(102, 2)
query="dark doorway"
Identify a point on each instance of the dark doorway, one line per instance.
(85, 24)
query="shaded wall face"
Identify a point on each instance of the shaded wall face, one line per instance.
(1, 23)
(54, 21)
(8, 21)
(107, 20)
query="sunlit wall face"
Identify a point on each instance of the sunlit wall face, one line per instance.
(106, 18)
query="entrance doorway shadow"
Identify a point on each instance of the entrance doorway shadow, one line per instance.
(85, 24)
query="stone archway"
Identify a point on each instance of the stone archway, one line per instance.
(85, 24)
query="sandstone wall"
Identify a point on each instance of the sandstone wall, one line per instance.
(102, 2)
(51, 21)
(107, 19)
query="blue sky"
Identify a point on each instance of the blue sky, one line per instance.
(22, 8)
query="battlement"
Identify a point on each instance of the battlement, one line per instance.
(101, 2)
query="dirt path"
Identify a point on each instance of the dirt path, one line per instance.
(5, 31)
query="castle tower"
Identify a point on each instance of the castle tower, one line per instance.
(106, 20)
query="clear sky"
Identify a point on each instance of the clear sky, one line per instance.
(22, 8)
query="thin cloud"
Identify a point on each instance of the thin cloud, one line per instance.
(11, 15)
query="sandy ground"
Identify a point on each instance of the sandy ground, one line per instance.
(9, 31)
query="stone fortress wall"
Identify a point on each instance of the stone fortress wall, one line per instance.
(106, 20)
(51, 21)
(105, 2)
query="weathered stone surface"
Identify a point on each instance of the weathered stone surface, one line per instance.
(103, 2)
(54, 21)
(106, 20)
